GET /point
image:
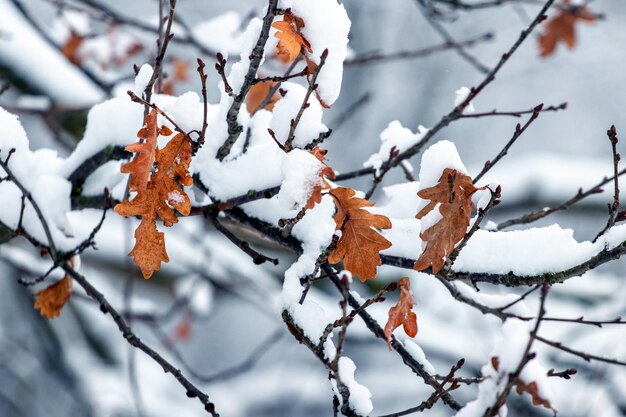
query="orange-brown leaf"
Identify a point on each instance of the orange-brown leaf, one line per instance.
(71, 46)
(359, 245)
(291, 40)
(257, 95)
(51, 300)
(532, 389)
(149, 250)
(140, 166)
(162, 195)
(562, 28)
(326, 171)
(453, 193)
(401, 314)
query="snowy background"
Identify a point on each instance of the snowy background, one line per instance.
(79, 365)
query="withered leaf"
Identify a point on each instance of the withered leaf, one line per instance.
(453, 192)
(401, 314)
(291, 40)
(326, 171)
(562, 28)
(359, 245)
(50, 301)
(149, 250)
(162, 195)
(532, 389)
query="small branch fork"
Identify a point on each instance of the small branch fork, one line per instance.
(133, 340)
(163, 43)
(234, 128)
(457, 112)
(519, 130)
(63, 261)
(614, 216)
(435, 396)
(305, 103)
(526, 357)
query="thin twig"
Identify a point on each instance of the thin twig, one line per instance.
(234, 128)
(519, 130)
(305, 103)
(613, 215)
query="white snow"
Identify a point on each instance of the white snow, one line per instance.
(524, 252)
(360, 397)
(394, 136)
(143, 78)
(286, 110)
(461, 95)
(326, 26)
(301, 171)
(418, 354)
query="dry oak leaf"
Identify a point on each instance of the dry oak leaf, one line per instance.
(290, 41)
(257, 95)
(401, 314)
(50, 301)
(149, 250)
(453, 192)
(359, 245)
(162, 195)
(561, 28)
(532, 389)
(325, 172)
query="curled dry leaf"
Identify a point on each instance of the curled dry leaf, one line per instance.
(257, 95)
(50, 301)
(290, 41)
(401, 314)
(359, 245)
(532, 389)
(562, 28)
(453, 192)
(325, 172)
(162, 195)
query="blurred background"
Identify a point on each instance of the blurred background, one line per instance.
(208, 310)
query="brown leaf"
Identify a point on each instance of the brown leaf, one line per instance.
(326, 171)
(291, 40)
(532, 389)
(257, 95)
(51, 300)
(71, 46)
(359, 244)
(139, 167)
(401, 314)
(162, 194)
(561, 28)
(149, 250)
(454, 194)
